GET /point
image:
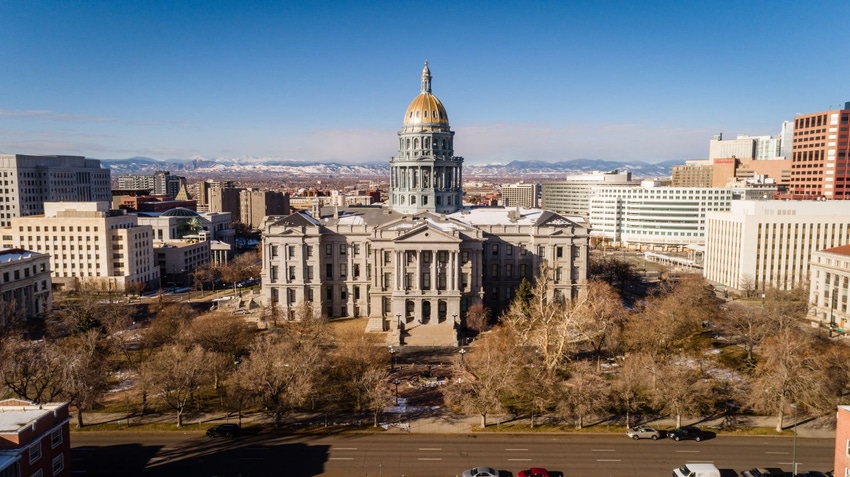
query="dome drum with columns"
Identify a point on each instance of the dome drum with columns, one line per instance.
(416, 266)
(426, 175)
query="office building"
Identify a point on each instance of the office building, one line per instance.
(90, 246)
(733, 172)
(256, 204)
(161, 183)
(25, 283)
(830, 286)
(654, 217)
(819, 162)
(520, 195)
(186, 225)
(760, 244)
(572, 196)
(30, 181)
(416, 266)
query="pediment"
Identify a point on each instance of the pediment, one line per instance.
(427, 233)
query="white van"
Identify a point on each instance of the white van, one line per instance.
(697, 470)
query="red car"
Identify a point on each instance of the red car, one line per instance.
(533, 472)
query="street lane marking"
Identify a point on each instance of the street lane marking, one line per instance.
(345, 448)
(601, 450)
(519, 459)
(783, 453)
(687, 452)
(516, 449)
(609, 460)
(430, 458)
(342, 458)
(430, 449)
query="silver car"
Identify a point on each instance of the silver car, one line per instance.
(643, 432)
(481, 472)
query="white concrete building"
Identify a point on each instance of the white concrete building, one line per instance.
(520, 195)
(89, 245)
(830, 285)
(654, 217)
(759, 244)
(30, 181)
(572, 196)
(25, 281)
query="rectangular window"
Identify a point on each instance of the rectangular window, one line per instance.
(522, 250)
(426, 257)
(309, 250)
(523, 269)
(559, 252)
(329, 293)
(495, 249)
(411, 256)
(343, 292)
(292, 273)
(356, 292)
(355, 270)
(464, 257)
(343, 248)
(388, 257)
(309, 272)
(442, 256)
(35, 452)
(509, 270)
(291, 251)
(309, 294)
(329, 249)
(343, 270)
(408, 281)
(495, 270)
(58, 464)
(356, 249)
(426, 281)
(388, 279)
(329, 270)
(509, 249)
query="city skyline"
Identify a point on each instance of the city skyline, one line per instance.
(311, 81)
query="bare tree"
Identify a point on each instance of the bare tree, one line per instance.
(751, 323)
(678, 386)
(586, 393)
(84, 370)
(491, 370)
(225, 336)
(628, 391)
(791, 370)
(176, 374)
(748, 284)
(478, 317)
(32, 370)
(281, 373)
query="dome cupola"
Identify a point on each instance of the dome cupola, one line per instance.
(426, 111)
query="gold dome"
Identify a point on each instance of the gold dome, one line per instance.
(426, 110)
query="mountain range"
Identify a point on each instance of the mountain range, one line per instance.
(246, 167)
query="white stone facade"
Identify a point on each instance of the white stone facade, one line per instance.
(25, 281)
(830, 286)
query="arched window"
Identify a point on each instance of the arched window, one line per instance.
(413, 200)
(425, 113)
(408, 143)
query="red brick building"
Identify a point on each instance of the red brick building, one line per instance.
(842, 442)
(819, 155)
(34, 439)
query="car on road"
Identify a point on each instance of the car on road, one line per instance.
(533, 472)
(687, 432)
(226, 430)
(481, 472)
(644, 432)
(241, 311)
(761, 472)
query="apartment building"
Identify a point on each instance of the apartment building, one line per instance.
(759, 244)
(255, 204)
(161, 183)
(90, 246)
(30, 181)
(25, 282)
(819, 158)
(34, 439)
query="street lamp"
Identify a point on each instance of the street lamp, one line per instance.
(462, 352)
(396, 382)
(794, 448)
(393, 351)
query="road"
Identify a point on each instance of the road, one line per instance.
(411, 455)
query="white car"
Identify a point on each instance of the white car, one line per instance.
(481, 472)
(241, 311)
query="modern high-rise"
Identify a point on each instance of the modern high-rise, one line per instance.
(255, 204)
(520, 195)
(416, 266)
(159, 183)
(819, 162)
(30, 181)
(572, 196)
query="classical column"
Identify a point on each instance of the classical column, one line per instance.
(434, 282)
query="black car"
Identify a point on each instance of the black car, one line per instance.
(226, 430)
(688, 432)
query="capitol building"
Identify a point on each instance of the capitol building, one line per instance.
(416, 265)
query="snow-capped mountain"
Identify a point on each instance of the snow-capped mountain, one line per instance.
(245, 167)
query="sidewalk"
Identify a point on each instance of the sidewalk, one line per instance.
(440, 422)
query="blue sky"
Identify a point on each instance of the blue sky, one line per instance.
(614, 80)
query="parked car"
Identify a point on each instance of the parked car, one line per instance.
(687, 432)
(226, 430)
(534, 472)
(481, 472)
(762, 472)
(241, 311)
(643, 432)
